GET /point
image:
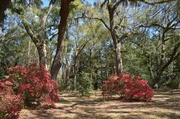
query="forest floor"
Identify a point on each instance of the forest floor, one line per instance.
(165, 105)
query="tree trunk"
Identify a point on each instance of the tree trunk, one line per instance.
(3, 6)
(76, 68)
(119, 65)
(41, 48)
(42, 54)
(38, 38)
(64, 12)
(157, 78)
(90, 62)
(117, 44)
(67, 73)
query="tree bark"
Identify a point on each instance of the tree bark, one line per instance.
(42, 54)
(75, 68)
(3, 6)
(117, 44)
(64, 12)
(119, 65)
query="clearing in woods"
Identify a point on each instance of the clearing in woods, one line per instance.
(165, 105)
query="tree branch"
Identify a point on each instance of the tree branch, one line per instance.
(3, 6)
(46, 15)
(26, 25)
(82, 47)
(116, 5)
(158, 2)
(104, 23)
(174, 56)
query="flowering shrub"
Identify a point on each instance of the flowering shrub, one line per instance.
(129, 88)
(138, 90)
(10, 104)
(111, 86)
(34, 84)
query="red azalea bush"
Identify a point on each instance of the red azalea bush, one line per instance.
(129, 88)
(111, 86)
(34, 84)
(10, 104)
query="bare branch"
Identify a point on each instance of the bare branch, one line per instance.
(99, 19)
(116, 5)
(53, 35)
(157, 2)
(44, 19)
(82, 47)
(102, 5)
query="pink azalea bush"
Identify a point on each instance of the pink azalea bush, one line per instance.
(128, 87)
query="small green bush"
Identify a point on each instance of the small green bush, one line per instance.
(174, 84)
(84, 84)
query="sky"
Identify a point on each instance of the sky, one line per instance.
(91, 1)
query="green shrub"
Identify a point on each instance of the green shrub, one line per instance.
(84, 84)
(174, 84)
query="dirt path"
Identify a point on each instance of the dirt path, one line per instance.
(165, 105)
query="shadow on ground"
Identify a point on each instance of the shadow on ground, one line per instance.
(165, 105)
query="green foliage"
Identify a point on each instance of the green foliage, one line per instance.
(174, 84)
(1, 73)
(84, 84)
(18, 10)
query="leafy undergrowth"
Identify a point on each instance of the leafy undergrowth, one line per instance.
(165, 105)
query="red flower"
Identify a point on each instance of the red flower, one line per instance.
(32, 82)
(132, 88)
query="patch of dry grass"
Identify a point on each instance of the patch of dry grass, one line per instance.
(165, 105)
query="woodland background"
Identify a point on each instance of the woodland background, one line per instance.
(83, 43)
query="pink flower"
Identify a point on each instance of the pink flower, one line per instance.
(8, 83)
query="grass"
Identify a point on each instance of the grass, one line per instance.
(165, 105)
